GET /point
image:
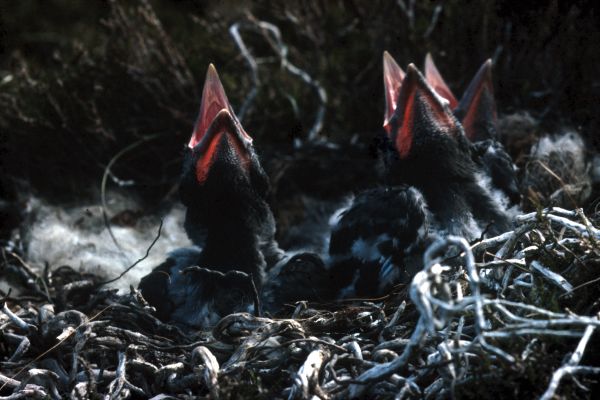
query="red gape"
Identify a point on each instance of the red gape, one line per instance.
(204, 163)
(418, 104)
(404, 138)
(434, 78)
(214, 100)
(235, 148)
(226, 132)
(478, 102)
(393, 76)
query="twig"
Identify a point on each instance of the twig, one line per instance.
(571, 366)
(434, 19)
(16, 320)
(211, 369)
(306, 380)
(9, 382)
(552, 276)
(138, 261)
(384, 370)
(234, 31)
(107, 170)
(273, 36)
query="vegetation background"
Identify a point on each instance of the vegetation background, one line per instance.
(88, 86)
(82, 81)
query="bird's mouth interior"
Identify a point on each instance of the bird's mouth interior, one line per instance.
(217, 129)
(223, 136)
(419, 104)
(434, 78)
(392, 81)
(214, 100)
(479, 98)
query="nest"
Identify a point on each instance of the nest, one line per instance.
(505, 316)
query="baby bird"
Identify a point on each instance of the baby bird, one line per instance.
(223, 187)
(432, 189)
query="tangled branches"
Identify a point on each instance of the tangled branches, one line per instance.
(516, 312)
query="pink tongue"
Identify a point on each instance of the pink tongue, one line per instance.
(434, 78)
(214, 100)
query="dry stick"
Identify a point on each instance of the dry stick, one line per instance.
(115, 387)
(306, 380)
(103, 187)
(30, 391)
(234, 31)
(572, 366)
(138, 261)
(492, 242)
(588, 225)
(255, 297)
(561, 243)
(317, 341)
(552, 276)
(281, 50)
(22, 348)
(354, 348)
(31, 274)
(16, 319)
(409, 11)
(434, 19)
(384, 370)
(9, 382)
(211, 369)
(66, 337)
(581, 229)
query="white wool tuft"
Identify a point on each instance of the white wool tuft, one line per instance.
(568, 142)
(77, 237)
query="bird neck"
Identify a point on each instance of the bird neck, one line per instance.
(457, 201)
(445, 199)
(232, 245)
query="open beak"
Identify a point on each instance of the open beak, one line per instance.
(477, 108)
(218, 133)
(434, 78)
(214, 100)
(420, 111)
(393, 76)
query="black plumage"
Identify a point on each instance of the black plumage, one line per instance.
(376, 239)
(224, 189)
(433, 155)
(477, 113)
(432, 189)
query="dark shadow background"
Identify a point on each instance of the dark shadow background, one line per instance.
(82, 81)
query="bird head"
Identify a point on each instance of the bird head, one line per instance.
(477, 107)
(434, 78)
(426, 137)
(221, 172)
